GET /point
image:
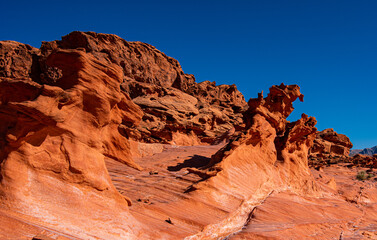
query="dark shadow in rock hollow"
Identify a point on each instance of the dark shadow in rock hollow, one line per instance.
(195, 161)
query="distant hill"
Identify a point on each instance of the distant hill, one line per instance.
(365, 151)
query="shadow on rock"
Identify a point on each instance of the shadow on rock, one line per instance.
(195, 161)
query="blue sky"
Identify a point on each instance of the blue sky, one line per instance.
(328, 48)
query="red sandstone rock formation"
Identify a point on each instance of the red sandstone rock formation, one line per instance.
(65, 123)
(54, 140)
(269, 156)
(16, 59)
(62, 113)
(360, 160)
(177, 109)
(332, 148)
(329, 143)
(329, 148)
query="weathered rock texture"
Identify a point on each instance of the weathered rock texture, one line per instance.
(55, 137)
(360, 160)
(333, 148)
(73, 112)
(328, 144)
(17, 60)
(271, 140)
(269, 156)
(177, 109)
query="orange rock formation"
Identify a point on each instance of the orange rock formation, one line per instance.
(54, 140)
(84, 127)
(173, 103)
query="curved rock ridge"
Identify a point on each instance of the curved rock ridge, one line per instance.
(54, 140)
(269, 156)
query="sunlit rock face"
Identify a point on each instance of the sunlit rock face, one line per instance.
(55, 137)
(272, 149)
(106, 139)
(177, 109)
(270, 155)
(329, 143)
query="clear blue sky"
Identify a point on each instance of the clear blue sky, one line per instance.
(329, 48)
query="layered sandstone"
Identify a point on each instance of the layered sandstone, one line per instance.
(17, 60)
(54, 140)
(83, 126)
(269, 156)
(333, 148)
(211, 198)
(330, 143)
(177, 109)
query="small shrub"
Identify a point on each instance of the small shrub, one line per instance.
(362, 175)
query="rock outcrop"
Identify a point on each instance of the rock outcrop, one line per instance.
(360, 160)
(269, 156)
(17, 60)
(271, 141)
(177, 109)
(75, 112)
(329, 143)
(329, 147)
(72, 104)
(55, 137)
